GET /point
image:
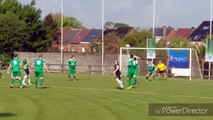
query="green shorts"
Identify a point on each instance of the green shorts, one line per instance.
(72, 71)
(130, 74)
(39, 74)
(16, 74)
(136, 73)
(151, 72)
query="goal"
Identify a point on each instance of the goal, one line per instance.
(185, 65)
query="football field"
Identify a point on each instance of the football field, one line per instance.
(95, 97)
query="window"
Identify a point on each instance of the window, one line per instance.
(197, 37)
(83, 49)
(72, 49)
(205, 27)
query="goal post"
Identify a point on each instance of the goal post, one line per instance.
(192, 71)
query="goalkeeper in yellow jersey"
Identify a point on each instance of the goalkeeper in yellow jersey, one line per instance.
(161, 67)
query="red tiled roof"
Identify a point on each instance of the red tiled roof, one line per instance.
(184, 32)
(71, 35)
(66, 31)
(83, 33)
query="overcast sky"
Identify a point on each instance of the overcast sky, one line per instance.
(136, 13)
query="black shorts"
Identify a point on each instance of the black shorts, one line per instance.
(118, 76)
(27, 71)
(161, 72)
(149, 74)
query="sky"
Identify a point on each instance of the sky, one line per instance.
(136, 13)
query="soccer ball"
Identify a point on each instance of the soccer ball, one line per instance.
(16, 78)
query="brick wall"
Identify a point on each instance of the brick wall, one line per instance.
(86, 62)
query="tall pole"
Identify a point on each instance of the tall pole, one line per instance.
(62, 46)
(102, 37)
(210, 30)
(210, 36)
(153, 22)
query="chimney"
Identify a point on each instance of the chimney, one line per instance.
(193, 28)
(164, 32)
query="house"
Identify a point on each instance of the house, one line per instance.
(164, 33)
(201, 32)
(55, 43)
(93, 35)
(184, 32)
(78, 40)
(75, 45)
(68, 37)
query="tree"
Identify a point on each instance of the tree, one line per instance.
(111, 25)
(95, 46)
(69, 21)
(39, 37)
(201, 49)
(51, 25)
(111, 44)
(117, 25)
(108, 25)
(175, 42)
(11, 26)
(11, 6)
(21, 28)
(136, 39)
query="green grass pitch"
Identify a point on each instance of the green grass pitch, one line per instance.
(95, 97)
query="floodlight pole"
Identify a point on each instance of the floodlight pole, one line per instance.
(210, 36)
(102, 37)
(153, 22)
(62, 46)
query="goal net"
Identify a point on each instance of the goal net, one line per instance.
(180, 62)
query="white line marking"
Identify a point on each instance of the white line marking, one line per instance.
(129, 91)
(135, 92)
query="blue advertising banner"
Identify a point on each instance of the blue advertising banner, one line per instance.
(178, 59)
